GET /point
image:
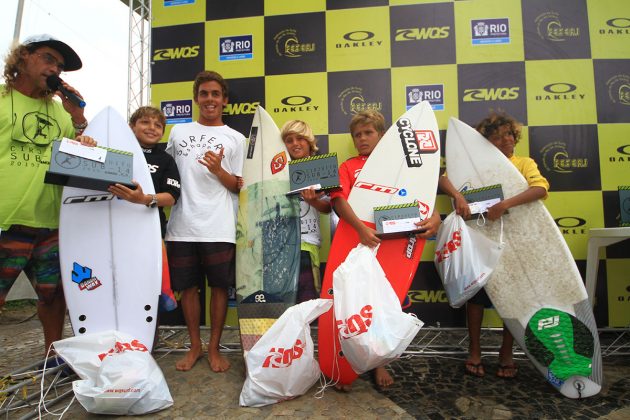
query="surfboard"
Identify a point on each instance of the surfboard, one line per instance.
(111, 249)
(267, 233)
(536, 288)
(403, 168)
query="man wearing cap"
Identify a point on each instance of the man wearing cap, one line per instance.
(29, 209)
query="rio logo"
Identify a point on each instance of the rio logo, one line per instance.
(449, 247)
(119, 347)
(281, 358)
(355, 324)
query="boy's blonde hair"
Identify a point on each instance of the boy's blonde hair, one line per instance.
(300, 128)
(369, 116)
(147, 111)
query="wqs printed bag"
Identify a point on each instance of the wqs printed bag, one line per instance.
(281, 365)
(118, 374)
(373, 329)
(464, 259)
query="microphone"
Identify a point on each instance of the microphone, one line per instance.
(54, 83)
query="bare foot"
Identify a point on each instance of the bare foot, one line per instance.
(343, 387)
(218, 363)
(382, 378)
(189, 360)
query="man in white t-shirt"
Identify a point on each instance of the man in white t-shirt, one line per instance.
(201, 232)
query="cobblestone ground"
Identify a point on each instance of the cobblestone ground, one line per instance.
(427, 387)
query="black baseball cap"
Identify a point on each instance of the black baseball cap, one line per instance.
(71, 58)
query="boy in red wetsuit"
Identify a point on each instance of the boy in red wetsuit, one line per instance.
(367, 128)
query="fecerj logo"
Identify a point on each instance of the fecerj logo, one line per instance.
(619, 89)
(418, 34)
(82, 276)
(240, 108)
(288, 44)
(560, 91)
(434, 94)
(239, 47)
(177, 111)
(352, 101)
(571, 225)
(550, 27)
(556, 158)
(490, 31)
(356, 324)
(177, 53)
(281, 357)
(278, 162)
(296, 103)
(119, 347)
(358, 39)
(491, 94)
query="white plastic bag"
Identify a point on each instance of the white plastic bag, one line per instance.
(464, 259)
(373, 329)
(281, 364)
(119, 375)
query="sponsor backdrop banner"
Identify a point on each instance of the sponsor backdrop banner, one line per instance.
(561, 67)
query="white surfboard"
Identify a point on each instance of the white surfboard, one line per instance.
(536, 288)
(110, 249)
(267, 233)
(403, 168)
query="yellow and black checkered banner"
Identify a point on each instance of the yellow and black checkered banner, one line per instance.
(561, 67)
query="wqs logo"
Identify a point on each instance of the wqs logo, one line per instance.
(549, 27)
(434, 94)
(490, 31)
(288, 44)
(178, 53)
(82, 276)
(491, 94)
(417, 34)
(236, 47)
(178, 111)
(240, 108)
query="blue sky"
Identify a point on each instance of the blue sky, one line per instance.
(96, 29)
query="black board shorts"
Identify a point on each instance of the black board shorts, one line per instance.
(191, 262)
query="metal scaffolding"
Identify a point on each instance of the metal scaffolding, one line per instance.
(139, 66)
